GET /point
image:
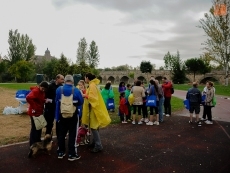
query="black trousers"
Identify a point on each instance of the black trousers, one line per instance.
(49, 115)
(144, 110)
(167, 105)
(35, 135)
(208, 112)
(65, 125)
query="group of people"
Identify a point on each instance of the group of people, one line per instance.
(87, 108)
(137, 112)
(196, 99)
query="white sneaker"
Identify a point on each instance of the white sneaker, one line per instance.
(146, 120)
(142, 119)
(149, 123)
(167, 115)
(123, 122)
(208, 122)
(156, 123)
(140, 122)
(202, 119)
(133, 122)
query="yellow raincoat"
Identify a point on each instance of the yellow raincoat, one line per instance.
(99, 116)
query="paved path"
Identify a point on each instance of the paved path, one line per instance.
(221, 112)
(173, 146)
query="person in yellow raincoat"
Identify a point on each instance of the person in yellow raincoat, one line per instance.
(94, 114)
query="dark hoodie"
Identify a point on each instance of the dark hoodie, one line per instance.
(51, 94)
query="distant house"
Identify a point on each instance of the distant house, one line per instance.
(40, 58)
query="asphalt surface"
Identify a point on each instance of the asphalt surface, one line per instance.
(173, 146)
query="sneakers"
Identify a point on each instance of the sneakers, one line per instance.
(199, 123)
(208, 122)
(123, 122)
(73, 157)
(156, 123)
(61, 155)
(95, 150)
(202, 119)
(149, 123)
(167, 115)
(146, 120)
(140, 122)
(133, 122)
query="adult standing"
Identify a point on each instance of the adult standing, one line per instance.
(161, 101)
(194, 98)
(208, 102)
(50, 105)
(67, 124)
(138, 94)
(153, 90)
(167, 88)
(36, 100)
(95, 114)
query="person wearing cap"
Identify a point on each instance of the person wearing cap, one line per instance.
(36, 100)
(67, 124)
(194, 98)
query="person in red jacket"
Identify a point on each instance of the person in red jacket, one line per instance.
(167, 88)
(36, 100)
(123, 108)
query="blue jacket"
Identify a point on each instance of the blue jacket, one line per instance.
(194, 95)
(67, 91)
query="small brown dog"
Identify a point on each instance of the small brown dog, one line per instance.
(45, 145)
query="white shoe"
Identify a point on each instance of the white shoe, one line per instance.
(142, 119)
(208, 122)
(146, 120)
(123, 122)
(149, 123)
(167, 115)
(133, 122)
(140, 122)
(202, 119)
(156, 123)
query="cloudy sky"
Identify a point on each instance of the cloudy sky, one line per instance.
(128, 30)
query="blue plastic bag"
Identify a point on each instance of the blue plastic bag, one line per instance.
(151, 101)
(22, 93)
(186, 104)
(110, 104)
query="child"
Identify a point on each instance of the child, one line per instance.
(123, 108)
(82, 134)
(81, 87)
(127, 93)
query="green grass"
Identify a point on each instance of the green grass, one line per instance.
(17, 86)
(220, 89)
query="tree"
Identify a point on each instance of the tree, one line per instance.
(21, 47)
(176, 66)
(146, 67)
(161, 68)
(82, 51)
(83, 69)
(131, 75)
(217, 30)
(196, 65)
(22, 70)
(62, 66)
(49, 67)
(93, 55)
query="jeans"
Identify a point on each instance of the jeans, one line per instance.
(96, 139)
(167, 105)
(35, 135)
(160, 108)
(65, 125)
